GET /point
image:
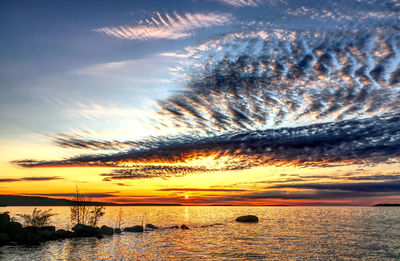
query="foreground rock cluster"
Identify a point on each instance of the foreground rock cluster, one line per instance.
(12, 232)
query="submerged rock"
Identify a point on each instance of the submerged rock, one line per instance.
(137, 228)
(212, 225)
(247, 219)
(174, 227)
(151, 226)
(184, 227)
(107, 230)
(4, 220)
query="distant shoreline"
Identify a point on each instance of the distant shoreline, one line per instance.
(387, 205)
(37, 201)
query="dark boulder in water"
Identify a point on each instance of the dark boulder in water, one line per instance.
(107, 230)
(32, 236)
(49, 235)
(117, 230)
(4, 239)
(4, 220)
(151, 226)
(62, 234)
(86, 231)
(14, 231)
(137, 228)
(48, 228)
(184, 227)
(247, 219)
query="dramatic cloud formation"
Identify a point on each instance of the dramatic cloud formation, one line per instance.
(167, 27)
(269, 97)
(267, 79)
(369, 140)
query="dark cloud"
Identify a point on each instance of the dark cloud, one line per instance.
(370, 140)
(30, 179)
(368, 187)
(122, 184)
(199, 189)
(68, 141)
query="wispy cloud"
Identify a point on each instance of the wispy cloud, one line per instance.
(30, 179)
(241, 3)
(169, 26)
(250, 3)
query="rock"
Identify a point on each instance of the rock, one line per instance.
(137, 228)
(4, 239)
(117, 230)
(14, 231)
(49, 235)
(4, 220)
(247, 219)
(86, 231)
(107, 230)
(150, 226)
(62, 234)
(175, 227)
(31, 236)
(184, 227)
(48, 228)
(212, 225)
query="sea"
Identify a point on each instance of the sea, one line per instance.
(282, 233)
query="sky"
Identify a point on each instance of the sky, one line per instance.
(201, 102)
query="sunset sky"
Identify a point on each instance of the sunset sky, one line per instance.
(243, 102)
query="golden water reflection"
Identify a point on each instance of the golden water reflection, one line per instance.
(287, 233)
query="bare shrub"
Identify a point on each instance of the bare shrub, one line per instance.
(119, 222)
(81, 211)
(38, 218)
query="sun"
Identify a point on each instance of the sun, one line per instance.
(186, 196)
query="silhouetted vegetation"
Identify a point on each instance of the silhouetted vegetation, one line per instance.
(82, 213)
(38, 218)
(119, 222)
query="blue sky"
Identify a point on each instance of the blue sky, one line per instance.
(79, 78)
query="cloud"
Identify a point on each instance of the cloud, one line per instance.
(262, 79)
(371, 140)
(251, 3)
(30, 179)
(370, 187)
(242, 3)
(168, 26)
(270, 97)
(199, 189)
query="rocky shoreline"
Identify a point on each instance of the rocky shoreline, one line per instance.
(13, 233)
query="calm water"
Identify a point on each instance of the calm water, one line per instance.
(289, 233)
